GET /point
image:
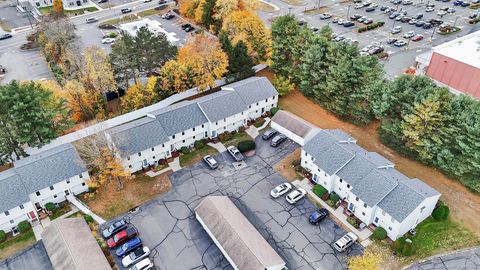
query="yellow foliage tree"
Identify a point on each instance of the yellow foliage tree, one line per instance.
(224, 7)
(173, 79)
(97, 73)
(58, 7)
(139, 95)
(110, 169)
(367, 261)
(245, 26)
(188, 7)
(204, 59)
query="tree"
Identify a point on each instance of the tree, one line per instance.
(173, 78)
(207, 14)
(282, 84)
(188, 7)
(204, 59)
(285, 30)
(441, 213)
(109, 169)
(58, 7)
(239, 62)
(29, 115)
(85, 105)
(139, 95)
(97, 73)
(367, 261)
(89, 150)
(224, 7)
(247, 27)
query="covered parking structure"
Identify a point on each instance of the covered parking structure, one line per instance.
(241, 244)
(294, 127)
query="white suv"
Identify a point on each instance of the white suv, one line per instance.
(296, 195)
(343, 243)
(143, 265)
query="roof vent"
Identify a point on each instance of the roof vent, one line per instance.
(151, 116)
(348, 141)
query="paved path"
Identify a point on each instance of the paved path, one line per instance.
(82, 207)
(175, 164)
(267, 121)
(462, 260)
(219, 146)
(252, 131)
(151, 173)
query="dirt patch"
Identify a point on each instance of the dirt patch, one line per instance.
(108, 202)
(285, 168)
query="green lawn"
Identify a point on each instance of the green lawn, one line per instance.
(124, 19)
(16, 244)
(46, 10)
(65, 208)
(434, 237)
(196, 156)
(237, 137)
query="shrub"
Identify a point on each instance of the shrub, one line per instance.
(379, 233)
(91, 189)
(296, 162)
(88, 219)
(3, 236)
(408, 248)
(184, 150)
(441, 213)
(283, 85)
(112, 35)
(245, 146)
(319, 190)
(398, 245)
(225, 136)
(352, 221)
(274, 110)
(330, 203)
(23, 226)
(334, 197)
(199, 144)
(50, 206)
(242, 129)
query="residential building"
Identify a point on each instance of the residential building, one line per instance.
(39, 179)
(143, 142)
(238, 240)
(67, 4)
(454, 64)
(375, 192)
(294, 127)
(154, 26)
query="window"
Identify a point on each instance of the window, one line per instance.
(153, 148)
(128, 158)
(153, 157)
(356, 198)
(193, 129)
(173, 136)
(249, 106)
(311, 158)
(139, 154)
(194, 137)
(257, 103)
(224, 127)
(52, 188)
(363, 213)
(224, 120)
(216, 123)
(68, 181)
(83, 184)
(341, 180)
(383, 213)
(365, 205)
(21, 206)
(38, 193)
(163, 145)
(7, 213)
(390, 228)
(55, 196)
(183, 132)
(325, 182)
(203, 125)
(340, 188)
(183, 141)
(11, 221)
(266, 100)
(421, 209)
(348, 185)
(325, 174)
(129, 166)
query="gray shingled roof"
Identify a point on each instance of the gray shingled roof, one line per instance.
(328, 154)
(49, 167)
(253, 89)
(180, 117)
(222, 105)
(405, 198)
(373, 188)
(12, 191)
(341, 135)
(138, 135)
(356, 170)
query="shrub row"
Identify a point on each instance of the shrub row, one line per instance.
(3, 236)
(319, 190)
(245, 146)
(371, 27)
(474, 21)
(199, 144)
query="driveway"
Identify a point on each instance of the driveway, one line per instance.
(167, 224)
(12, 17)
(462, 260)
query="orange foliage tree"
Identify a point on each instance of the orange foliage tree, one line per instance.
(58, 7)
(110, 169)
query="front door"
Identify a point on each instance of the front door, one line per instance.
(67, 192)
(32, 216)
(375, 221)
(214, 133)
(351, 207)
(315, 178)
(38, 206)
(145, 163)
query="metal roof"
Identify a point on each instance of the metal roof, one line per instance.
(236, 235)
(294, 123)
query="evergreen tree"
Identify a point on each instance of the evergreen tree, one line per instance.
(207, 15)
(239, 62)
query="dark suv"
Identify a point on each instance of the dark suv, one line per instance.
(269, 134)
(318, 216)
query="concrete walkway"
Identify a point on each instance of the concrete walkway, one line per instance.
(219, 146)
(267, 121)
(363, 235)
(252, 131)
(152, 174)
(175, 164)
(82, 207)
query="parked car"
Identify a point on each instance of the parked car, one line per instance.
(318, 216)
(147, 1)
(407, 2)
(211, 162)
(295, 195)
(405, 19)
(277, 140)
(355, 17)
(102, 1)
(269, 134)
(409, 34)
(126, 10)
(417, 16)
(189, 29)
(368, 21)
(442, 13)
(370, 9)
(280, 190)
(235, 153)
(301, 22)
(108, 40)
(314, 29)
(121, 237)
(325, 16)
(162, 2)
(346, 241)
(427, 26)
(436, 22)
(358, 6)
(375, 50)
(184, 26)
(114, 228)
(429, 9)
(419, 23)
(135, 256)
(400, 43)
(168, 16)
(5, 36)
(397, 29)
(391, 40)
(465, 4)
(417, 38)
(144, 264)
(129, 246)
(91, 20)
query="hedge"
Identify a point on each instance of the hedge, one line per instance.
(334, 197)
(371, 26)
(3, 236)
(185, 150)
(319, 190)
(88, 219)
(199, 144)
(441, 213)
(245, 146)
(273, 111)
(50, 206)
(379, 233)
(23, 226)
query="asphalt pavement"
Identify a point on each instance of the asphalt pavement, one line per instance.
(34, 257)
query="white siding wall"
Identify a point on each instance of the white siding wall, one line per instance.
(67, 4)
(362, 211)
(75, 185)
(257, 109)
(16, 215)
(231, 123)
(341, 187)
(188, 137)
(318, 175)
(135, 162)
(292, 136)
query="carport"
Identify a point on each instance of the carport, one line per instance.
(241, 244)
(294, 127)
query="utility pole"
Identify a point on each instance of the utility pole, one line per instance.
(348, 10)
(289, 10)
(433, 32)
(319, 5)
(455, 23)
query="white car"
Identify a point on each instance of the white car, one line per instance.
(296, 195)
(108, 40)
(280, 190)
(429, 9)
(343, 243)
(135, 256)
(358, 6)
(409, 34)
(143, 265)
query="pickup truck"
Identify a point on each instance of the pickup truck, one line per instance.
(235, 153)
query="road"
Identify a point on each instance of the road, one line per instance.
(460, 260)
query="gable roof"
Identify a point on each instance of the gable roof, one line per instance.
(236, 235)
(221, 105)
(373, 187)
(180, 117)
(12, 191)
(49, 167)
(138, 135)
(253, 89)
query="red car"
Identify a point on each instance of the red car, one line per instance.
(122, 237)
(417, 38)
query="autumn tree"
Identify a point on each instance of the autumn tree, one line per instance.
(139, 95)
(174, 78)
(204, 59)
(224, 7)
(367, 261)
(282, 84)
(110, 168)
(58, 7)
(247, 27)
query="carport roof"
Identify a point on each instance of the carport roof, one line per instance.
(236, 235)
(71, 246)
(294, 123)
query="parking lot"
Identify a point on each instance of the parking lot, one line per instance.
(167, 224)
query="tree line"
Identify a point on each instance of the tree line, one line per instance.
(418, 118)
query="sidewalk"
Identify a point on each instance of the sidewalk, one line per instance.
(154, 174)
(363, 235)
(175, 164)
(219, 146)
(82, 207)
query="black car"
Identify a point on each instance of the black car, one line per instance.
(418, 16)
(419, 23)
(301, 23)
(102, 1)
(370, 9)
(126, 10)
(269, 134)
(5, 36)
(318, 216)
(114, 228)
(348, 24)
(185, 26)
(162, 2)
(277, 140)
(436, 22)
(383, 8)
(355, 17)
(189, 29)
(427, 26)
